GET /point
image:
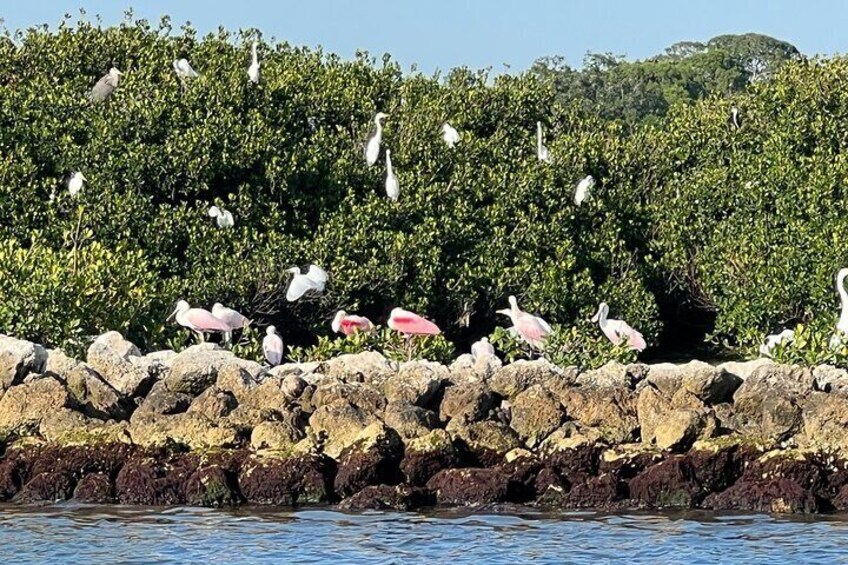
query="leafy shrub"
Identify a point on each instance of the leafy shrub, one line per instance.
(388, 342)
(813, 344)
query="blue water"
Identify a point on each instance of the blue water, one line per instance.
(71, 533)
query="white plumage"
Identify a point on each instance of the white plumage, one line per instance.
(541, 149)
(75, 183)
(233, 319)
(183, 69)
(272, 347)
(372, 146)
(253, 69)
(772, 341)
(223, 217)
(314, 280)
(583, 189)
(450, 135)
(392, 185)
(482, 349)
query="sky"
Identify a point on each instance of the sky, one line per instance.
(442, 34)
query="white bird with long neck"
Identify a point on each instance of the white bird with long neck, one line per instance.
(105, 86)
(272, 347)
(253, 69)
(75, 183)
(541, 149)
(392, 185)
(223, 217)
(198, 320)
(183, 69)
(530, 328)
(583, 189)
(841, 334)
(233, 319)
(314, 280)
(450, 135)
(618, 331)
(350, 324)
(372, 146)
(482, 349)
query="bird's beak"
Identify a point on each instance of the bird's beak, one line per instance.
(505, 312)
(596, 317)
(171, 317)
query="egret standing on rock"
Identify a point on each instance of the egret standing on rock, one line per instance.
(842, 325)
(530, 328)
(253, 69)
(105, 86)
(75, 183)
(198, 320)
(223, 217)
(392, 185)
(541, 150)
(583, 190)
(482, 349)
(233, 319)
(618, 330)
(372, 146)
(314, 280)
(183, 69)
(350, 324)
(450, 135)
(272, 347)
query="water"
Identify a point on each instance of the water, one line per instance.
(70, 533)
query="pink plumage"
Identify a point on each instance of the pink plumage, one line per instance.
(350, 324)
(202, 320)
(618, 330)
(409, 323)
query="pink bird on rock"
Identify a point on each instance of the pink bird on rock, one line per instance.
(350, 324)
(618, 330)
(530, 328)
(198, 320)
(409, 323)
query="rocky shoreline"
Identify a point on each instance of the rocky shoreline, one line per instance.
(203, 427)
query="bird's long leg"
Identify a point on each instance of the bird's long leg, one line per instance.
(409, 338)
(201, 336)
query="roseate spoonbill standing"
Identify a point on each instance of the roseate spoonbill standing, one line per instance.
(253, 69)
(75, 182)
(198, 320)
(183, 69)
(584, 189)
(233, 319)
(105, 86)
(372, 146)
(530, 328)
(349, 324)
(618, 330)
(772, 341)
(392, 186)
(541, 150)
(223, 217)
(314, 279)
(272, 347)
(842, 325)
(482, 349)
(450, 135)
(409, 323)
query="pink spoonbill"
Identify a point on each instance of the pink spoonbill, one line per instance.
(530, 328)
(409, 323)
(233, 319)
(198, 320)
(272, 347)
(350, 324)
(618, 330)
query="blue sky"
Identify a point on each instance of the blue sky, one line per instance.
(479, 33)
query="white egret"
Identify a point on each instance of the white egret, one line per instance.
(392, 186)
(223, 217)
(734, 120)
(618, 330)
(372, 146)
(450, 135)
(233, 319)
(783, 338)
(272, 346)
(314, 280)
(584, 189)
(842, 325)
(541, 150)
(75, 183)
(253, 69)
(183, 69)
(531, 329)
(105, 86)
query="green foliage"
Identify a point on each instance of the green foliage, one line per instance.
(388, 342)
(813, 344)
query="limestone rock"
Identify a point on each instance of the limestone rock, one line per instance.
(679, 429)
(466, 370)
(214, 403)
(94, 395)
(517, 377)
(825, 422)
(196, 369)
(426, 455)
(417, 382)
(368, 367)
(467, 403)
(19, 358)
(610, 410)
(280, 436)
(371, 459)
(535, 414)
(362, 395)
(831, 379)
(614, 375)
(25, 405)
(112, 357)
(487, 441)
(190, 429)
(237, 380)
(410, 421)
(160, 400)
(340, 422)
(744, 369)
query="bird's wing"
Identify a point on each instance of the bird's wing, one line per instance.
(407, 322)
(317, 274)
(545, 326)
(299, 285)
(203, 320)
(530, 329)
(272, 347)
(102, 89)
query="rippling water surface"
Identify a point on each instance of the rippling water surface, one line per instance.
(91, 534)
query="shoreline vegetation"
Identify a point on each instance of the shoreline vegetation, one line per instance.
(204, 427)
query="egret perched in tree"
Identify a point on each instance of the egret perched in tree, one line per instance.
(409, 323)
(842, 325)
(618, 330)
(530, 328)
(541, 150)
(482, 349)
(734, 120)
(105, 86)
(392, 186)
(223, 217)
(198, 320)
(272, 347)
(253, 69)
(583, 189)
(233, 319)
(314, 279)
(183, 69)
(772, 341)
(372, 146)
(75, 182)
(450, 135)
(349, 324)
